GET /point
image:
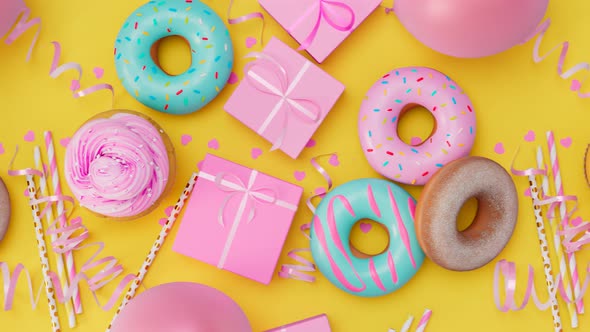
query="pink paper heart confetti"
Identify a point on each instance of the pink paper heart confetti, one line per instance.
(250, 42)
(185, 139)
(576, 85)
(75, 85)
(299, 175)
(29, 136)
(566, 142)
(334, 160)
(98, 72)
(499, 148)
(530, 136)
(256, 152)
(1, 148)
(527, 192)
(310, 143)
(415, 141)
(233, 78)
(26, 192)
(365, 227)
(167, 211)
(64, 141)
(213, 144)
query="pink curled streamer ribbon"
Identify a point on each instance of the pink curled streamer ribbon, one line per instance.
(507, 271)
(540, 33)
(23, 25)
(576, 235)
(244, 18)
(330, 11)
(304, 266)
(10, 282)
(70, 236)
(305, 110)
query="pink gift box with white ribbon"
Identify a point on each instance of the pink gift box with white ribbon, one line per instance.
(283, 97)
(314, 324)
(320, 25)
(237, 219)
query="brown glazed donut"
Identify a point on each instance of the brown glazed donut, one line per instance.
(442, 199)
(4, 209)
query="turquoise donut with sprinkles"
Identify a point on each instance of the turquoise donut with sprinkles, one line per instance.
(211, 51)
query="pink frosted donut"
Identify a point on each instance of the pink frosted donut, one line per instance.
(399, 91)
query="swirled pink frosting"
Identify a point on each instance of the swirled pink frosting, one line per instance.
(117, 166)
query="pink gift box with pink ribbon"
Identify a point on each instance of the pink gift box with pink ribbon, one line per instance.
(320, 25)
(283, 97)
(237, 219)
(314, 324)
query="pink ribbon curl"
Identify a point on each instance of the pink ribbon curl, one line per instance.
(303, 109)
(537, 57)
(244, 18)
(507, 271)
(24, 25)
(331, 12)
(70, 236)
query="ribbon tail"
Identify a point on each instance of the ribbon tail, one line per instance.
(311, 37)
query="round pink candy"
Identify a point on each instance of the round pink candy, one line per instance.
(399, 91)
(117, 166)
(182, 307)
(470, 28)
(9, 11)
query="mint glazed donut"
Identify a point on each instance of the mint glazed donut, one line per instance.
(138, 66)
(354, 272)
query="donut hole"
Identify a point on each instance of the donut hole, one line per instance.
(467, 214)
(415, 124)
(368, 238)
(172, 54)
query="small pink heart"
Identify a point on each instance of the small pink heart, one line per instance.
(200, 165)
(530, 136)
(75, 85)
(310, 143)
(576, 85)
(334, 160)
(30, 136)
(167, 211)
(415, 141)
(64, 141)
(566, 142)
(185, 139)
(213, 144)
(256, 152)
(365, 227)
(250, 41)
(98, 72)
(577, 221)
(299, 176)
(1, 148)
(527, 192)
(320, 191)
(499, 148)
(233, 78)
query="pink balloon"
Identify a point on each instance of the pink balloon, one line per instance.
(471, 28)
(9, 11)
(180, 307)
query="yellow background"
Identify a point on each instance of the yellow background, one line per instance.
(511, 95)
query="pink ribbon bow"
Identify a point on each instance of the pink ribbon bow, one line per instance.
(303, 109)
(331, 12)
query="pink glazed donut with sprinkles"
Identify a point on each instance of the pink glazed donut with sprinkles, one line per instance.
(399, 91)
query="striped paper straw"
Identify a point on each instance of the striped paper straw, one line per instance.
(58, 257)
(71, 268)
(554, 228)
(424, 320)
(49, 289)
(573, 266)
(407, 324)
(545, 253)
(157, 246)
